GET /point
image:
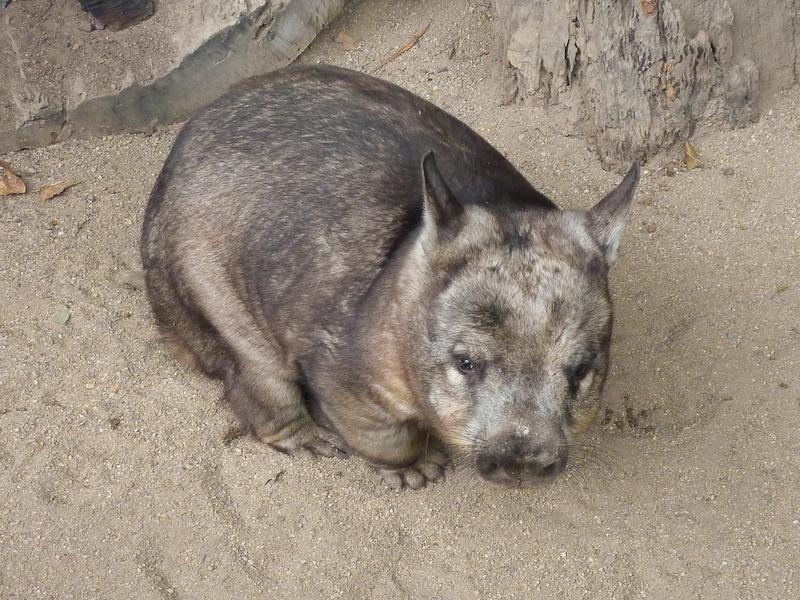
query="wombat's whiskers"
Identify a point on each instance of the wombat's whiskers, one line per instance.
(591, 466)
(463, 459)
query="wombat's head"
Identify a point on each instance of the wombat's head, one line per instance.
(518, 326)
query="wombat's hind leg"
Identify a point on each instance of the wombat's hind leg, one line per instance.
(429, 467)
(281, 420)
(182, 328)
(177, 348)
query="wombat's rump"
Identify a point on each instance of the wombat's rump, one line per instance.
(366, 274)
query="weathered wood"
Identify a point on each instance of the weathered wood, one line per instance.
(764, 31)
(624, 73)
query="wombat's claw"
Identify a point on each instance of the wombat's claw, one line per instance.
(312, 440)
(429, 467)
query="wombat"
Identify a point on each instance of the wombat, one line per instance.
(367, 275)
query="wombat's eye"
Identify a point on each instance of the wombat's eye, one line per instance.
(577, 373)
(465, 364)
(581, 371)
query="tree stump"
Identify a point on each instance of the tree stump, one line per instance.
(625, 73)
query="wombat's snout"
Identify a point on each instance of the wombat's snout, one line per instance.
(519, 460)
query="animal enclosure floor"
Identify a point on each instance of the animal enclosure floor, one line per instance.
(119, 476)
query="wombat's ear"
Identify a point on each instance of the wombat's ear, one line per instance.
(609, 215)
(441, 206)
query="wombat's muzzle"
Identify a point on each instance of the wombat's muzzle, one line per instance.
(521, 459)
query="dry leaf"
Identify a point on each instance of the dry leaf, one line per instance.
(670, 91)
(347, 41)
(690, 157)
(649, 7)
(9, 182)
(51, 191)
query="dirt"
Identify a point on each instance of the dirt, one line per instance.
(123, 478)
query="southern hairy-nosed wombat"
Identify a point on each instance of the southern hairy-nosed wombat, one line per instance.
(366, 274)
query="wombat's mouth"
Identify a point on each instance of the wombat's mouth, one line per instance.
(521, 471)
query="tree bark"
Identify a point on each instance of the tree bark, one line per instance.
(625, 73)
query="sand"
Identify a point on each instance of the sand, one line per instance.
(118, 480)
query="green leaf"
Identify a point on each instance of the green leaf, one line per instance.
(63, 315)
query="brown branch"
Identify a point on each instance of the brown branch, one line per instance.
(411, 43)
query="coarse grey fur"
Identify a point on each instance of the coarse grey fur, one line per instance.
(367, 275)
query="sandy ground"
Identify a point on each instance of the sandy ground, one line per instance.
(117, 479)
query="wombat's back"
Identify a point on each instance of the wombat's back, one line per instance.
(315, 134)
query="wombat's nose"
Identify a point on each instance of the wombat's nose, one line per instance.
(541, 461)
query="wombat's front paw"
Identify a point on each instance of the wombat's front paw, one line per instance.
(431, 466)
(312, 440)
